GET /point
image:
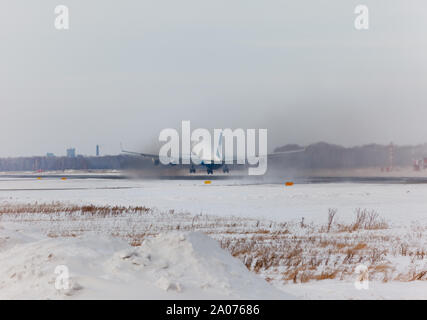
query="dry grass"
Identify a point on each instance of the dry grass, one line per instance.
(58, 207)
(286, 251)
(364, 220)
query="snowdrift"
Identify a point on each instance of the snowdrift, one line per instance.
(169, 266)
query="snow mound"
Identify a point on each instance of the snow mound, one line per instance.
(27, 269)
(169, 266)
(193, 261)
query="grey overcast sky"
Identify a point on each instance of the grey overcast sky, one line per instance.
(127, 69)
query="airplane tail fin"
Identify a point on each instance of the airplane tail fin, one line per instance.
(218, 152)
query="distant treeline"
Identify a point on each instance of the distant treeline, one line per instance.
(328, 156)
(77, 163)
(316, 156)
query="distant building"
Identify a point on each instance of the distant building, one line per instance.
(97, 150)
(49, 155)
(71, 153)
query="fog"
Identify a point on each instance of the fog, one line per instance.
(128, 69)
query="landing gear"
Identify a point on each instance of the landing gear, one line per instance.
(192, 169)
(225, 169)
(210, 171)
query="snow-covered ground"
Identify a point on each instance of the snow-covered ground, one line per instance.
(347, 290)
(399, 203)
(181, 264)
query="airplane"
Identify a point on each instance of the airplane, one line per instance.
(211, 163)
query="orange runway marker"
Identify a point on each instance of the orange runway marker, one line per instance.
(208, 182)
(289, 183)
(63, 178)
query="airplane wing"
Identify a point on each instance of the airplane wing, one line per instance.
(155, 157)
(271, 155)
(147, 155)
(278, 154)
